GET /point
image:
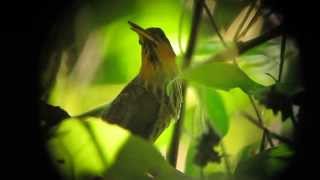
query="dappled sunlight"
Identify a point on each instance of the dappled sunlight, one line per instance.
(81, 146)
(92, 148)
(89, 60)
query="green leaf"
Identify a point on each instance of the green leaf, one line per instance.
(221, 75)
(86, 149)
(260, 68)
(264, 165)
(209, 47)
(140, 160)
(214, 106)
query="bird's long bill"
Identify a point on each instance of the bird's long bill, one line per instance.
(141, 31)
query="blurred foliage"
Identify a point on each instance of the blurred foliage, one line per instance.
(85, 149)
(220, 75)
(205, 152)
(264, 165)
(105, 56)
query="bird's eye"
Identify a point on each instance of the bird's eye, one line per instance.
(162, 36)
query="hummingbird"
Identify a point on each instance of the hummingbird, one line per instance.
(149, 102)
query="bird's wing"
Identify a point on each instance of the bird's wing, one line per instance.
(175, 97)
(135, 108)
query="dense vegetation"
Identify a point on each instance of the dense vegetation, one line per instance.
(242, 98)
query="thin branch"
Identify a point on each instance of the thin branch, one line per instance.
(214, 24)
(194, 32)
(272, 77)
(174, 145)
(293, 119)
(282, 54)
(245, 46)
(263, 142)
(274, 135)
(242, 47)
(236, 36)
(265, 133)
(252, 21)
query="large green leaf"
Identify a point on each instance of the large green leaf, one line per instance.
(86, 149)
(221, 75)
(215, 109)
(206, 47)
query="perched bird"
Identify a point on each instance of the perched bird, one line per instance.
(146, 105)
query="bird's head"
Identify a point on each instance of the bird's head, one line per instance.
(158, 57)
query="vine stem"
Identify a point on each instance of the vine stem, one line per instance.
(252, 21)
(282, 54)
(236, 36)
(214, 24)
(274, 135)
(247, 45)
(265, 135)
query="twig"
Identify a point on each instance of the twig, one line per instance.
(242, 47)
(274, 135)
(174, 145)
(194, 32)
(252, 21)
(265, 133)
(263, 142)
(293, 119)
(236, 36)
(282, 54)
(245, 46)
(272, 77)
(214, 25)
